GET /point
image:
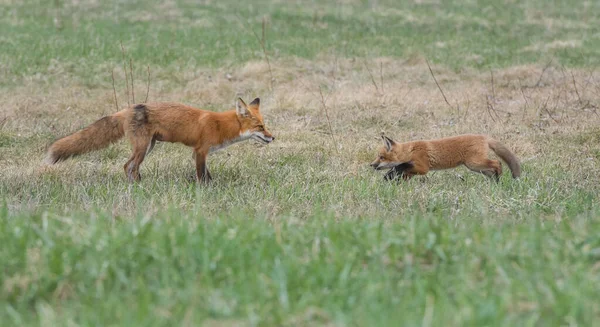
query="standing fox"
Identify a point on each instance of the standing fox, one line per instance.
(144, 124)
(418, 157)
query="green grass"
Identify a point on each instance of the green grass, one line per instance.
(286, 245)
(302, 232)
(179, 35)
(174, 267)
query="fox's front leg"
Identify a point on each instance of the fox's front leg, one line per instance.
(394, 173)
(407, 176)
(391, 175)
(418, 168)
(400, 170)
(201, 167)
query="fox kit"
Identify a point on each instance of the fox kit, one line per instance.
(144, 124)
(418, 157)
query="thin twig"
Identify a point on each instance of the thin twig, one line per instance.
(565, 88)
(263, 29)
(575, 86)
(264, 49)
(524, 98)
(545, 104)
(147, 85)
(372, 78)
(112, 74)
(493, 88)
(537, 84)
(467, 108)
(334, 72)
(489, 108)
(490, 102)
(406, 94)
(131, 72)
(125, 71)
(438, 85)
(549, 114)
(328, 120)
(381, 75)
(589, 79)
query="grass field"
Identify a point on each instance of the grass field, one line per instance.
(302, 232)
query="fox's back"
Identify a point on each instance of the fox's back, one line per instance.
(168, 121)
(453, 151)
(171, 111)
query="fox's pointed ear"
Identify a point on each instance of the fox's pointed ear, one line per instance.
(389, 143)
(241, 108)
(255, 103)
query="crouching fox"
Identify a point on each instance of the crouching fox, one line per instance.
(419, 157)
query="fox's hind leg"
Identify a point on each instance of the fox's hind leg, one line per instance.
(151, 145)
(490, 168)
(141, 147)
(142, 140)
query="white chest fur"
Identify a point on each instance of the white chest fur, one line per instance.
(243, 136)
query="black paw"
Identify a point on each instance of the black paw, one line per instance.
(397, 172)
(392, 174)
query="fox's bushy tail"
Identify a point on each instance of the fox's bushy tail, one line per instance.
(508, 157)
(98, 135)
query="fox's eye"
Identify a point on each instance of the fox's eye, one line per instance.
(381, 158)
(261, 128)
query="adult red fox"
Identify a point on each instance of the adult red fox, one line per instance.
(144, 124)
(418, 157)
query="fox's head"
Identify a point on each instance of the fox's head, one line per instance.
(387, 158)
(252, 124)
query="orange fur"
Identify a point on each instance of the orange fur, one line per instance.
(144, 124)
(469, 150)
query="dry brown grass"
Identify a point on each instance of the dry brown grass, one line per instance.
(409, 107)
(544, 118)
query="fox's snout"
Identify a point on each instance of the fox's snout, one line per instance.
(264, 137)
(269, 136)
(375, 164)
